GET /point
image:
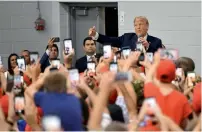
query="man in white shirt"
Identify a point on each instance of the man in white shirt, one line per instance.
(89, 47)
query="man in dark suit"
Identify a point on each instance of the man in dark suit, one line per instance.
(50, 54)
(141, 26)
(89, 47)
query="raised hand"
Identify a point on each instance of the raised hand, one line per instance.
(92, 31)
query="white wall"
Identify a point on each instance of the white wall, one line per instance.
(17, 26)
(178, 24)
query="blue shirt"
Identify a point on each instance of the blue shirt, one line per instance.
(66, 106)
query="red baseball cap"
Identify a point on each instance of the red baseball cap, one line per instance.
(166, 71)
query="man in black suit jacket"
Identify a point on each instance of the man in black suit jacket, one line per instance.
(51, 53)
(141, 25)
(89, 47)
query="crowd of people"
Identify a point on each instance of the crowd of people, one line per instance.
(129, 89)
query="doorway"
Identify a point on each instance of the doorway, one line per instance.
(86, 15)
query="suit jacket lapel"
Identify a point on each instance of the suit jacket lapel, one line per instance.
(149, 38)
(134, 41)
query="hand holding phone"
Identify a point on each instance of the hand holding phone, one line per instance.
(123, 76)
(56, 63)
(113, 67)
(191, 76)
(56, 39)
(126, 52)
(171, 54)
(107, 51)
(34, 56)
(19, 104)
(74, 76)
(67, 46)
(21, 64)
(150, 56)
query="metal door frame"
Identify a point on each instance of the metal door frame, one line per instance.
(74, 6)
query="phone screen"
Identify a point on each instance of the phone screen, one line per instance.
(21, 64)
(74, 74)
(123, 76)
(150, 56)
(107, 51)
(1, 60)
(191, 78)
(67, 46)
(113, 67)
(171, 54)
(56, 63)
(91, 66)
(179, 72)
(151, 102)
(51, 123)
(126, 53)
(19, 104)
(139, 46)
(34, 57)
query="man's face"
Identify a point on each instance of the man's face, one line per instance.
(90, 47)
(26, 55)
(141, 27)
(53, 53)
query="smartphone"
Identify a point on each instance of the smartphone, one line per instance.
(1, 61)
(139, 47)
(91, 66)
(191, 78)
(107, 50)
(150, 56)
(19, 104)
(67, 46)
(18, 80)
(151, 102)
(126, 52)
(34, 56)
(113, 67)
(21, 64)
(123, 76)
(178, 72)
(141, 58)
(74, 75)
(51, 123)
(171, 54)
(118, 54)
(52, 69)
(56, 63)
(56, 39)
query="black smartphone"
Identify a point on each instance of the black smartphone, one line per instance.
(67, 46)
(56, 39)
(53, 69)
(141, 58)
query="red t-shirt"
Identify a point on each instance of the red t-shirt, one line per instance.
(175, 105)
(4, 104)
(196, 103)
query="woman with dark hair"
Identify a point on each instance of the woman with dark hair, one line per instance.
(12, 63)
